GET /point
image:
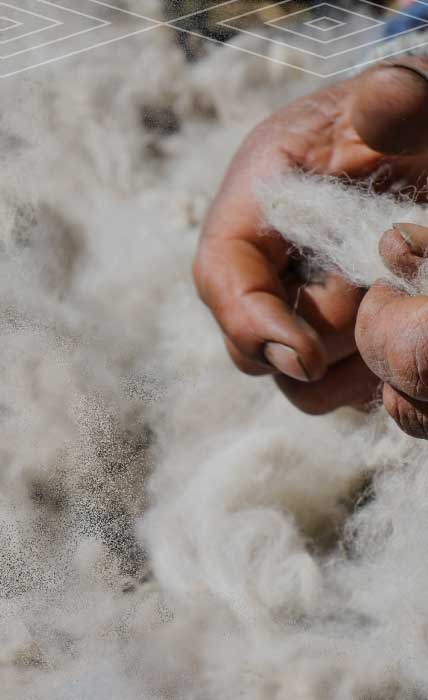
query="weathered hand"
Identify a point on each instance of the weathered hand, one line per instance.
(392, 331)
(245, 274)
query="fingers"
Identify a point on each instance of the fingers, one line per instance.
(403, 248)
(392, 332)
(330, 305)
(410, 415)
(349, 382)
(245, 365)
(392, 337)
(243, 289)
(415, 236)
(390, 109)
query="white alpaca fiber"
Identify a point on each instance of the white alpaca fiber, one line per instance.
(340, 223)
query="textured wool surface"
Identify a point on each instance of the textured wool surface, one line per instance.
(341, 225)
(131, 445)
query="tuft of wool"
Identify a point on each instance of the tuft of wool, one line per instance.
(339, 225)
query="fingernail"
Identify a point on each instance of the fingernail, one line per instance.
(415, 236)
(287, 361)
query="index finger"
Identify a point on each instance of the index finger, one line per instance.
(239, 282)
(239, 264)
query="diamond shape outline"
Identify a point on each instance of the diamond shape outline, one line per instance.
(51, 23)
(274, 23)
(153, 24)
(336, 24)
(46, 43)
(12, 24)
(282, 62)
(100, 23)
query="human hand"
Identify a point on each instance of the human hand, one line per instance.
(304, 335)
(392, 331)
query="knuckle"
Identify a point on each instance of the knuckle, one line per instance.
(421, 366)
(305, 398)
(243, 364)
(397, 254)
(392, 246)
(312, 354)
(249, 371)
(408, 361)
(309, 351)
(247, 368)
(311, 406)
(231, 324)
(410, 420)
(363, 324)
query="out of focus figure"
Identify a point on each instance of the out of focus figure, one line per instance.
(414, 12)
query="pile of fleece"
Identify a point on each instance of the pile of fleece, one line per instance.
(165, 530)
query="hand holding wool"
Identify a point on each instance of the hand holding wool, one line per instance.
(246, 273)
(392, 331)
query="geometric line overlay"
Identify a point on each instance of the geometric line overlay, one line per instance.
(324, 39)
(330, 38)
(35, 33)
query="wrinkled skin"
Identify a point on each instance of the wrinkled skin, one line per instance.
(306, 336)
(392, 333)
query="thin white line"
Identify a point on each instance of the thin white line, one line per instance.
(298, 12)
(48, 43)
(12, 24)
(318, 55)
(390, 9)
(375, 60)
(35, 31)
(325, 42)
(315, 23)
(342, 9)
(274, 22)
(281, 43)
(314, 7)
(370, 43)
(127, 12)
(291, 65)
(172, 22)
(78, 51)
(284, 43)
(100, 23)
(267, 7)
(50, 23)
(27, 12)
(207, 9)
(64, 9)
(293, 14)
(248, 51)
(330, 41)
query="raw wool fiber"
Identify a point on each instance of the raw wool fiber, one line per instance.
(268, 583)
(340, 224)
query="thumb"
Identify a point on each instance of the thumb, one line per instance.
(390, 108)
